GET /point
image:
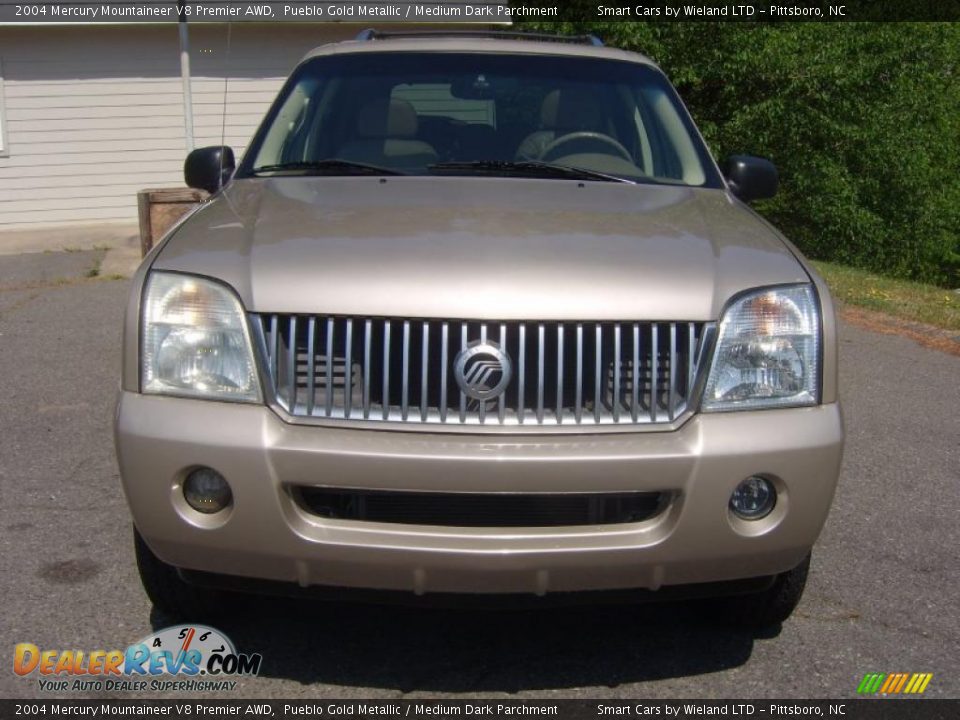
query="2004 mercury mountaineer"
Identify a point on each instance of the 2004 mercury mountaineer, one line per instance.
(478, 315)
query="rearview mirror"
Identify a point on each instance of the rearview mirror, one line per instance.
(474, 87)
(209, 168)
(750, 177)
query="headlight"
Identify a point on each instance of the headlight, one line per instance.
(195, 340)
(768, 352)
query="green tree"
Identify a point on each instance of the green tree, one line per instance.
(862, 119)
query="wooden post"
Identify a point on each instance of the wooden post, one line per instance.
(159, 209)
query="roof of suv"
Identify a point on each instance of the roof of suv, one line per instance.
(488, 43)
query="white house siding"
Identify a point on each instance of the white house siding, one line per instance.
(95, 113)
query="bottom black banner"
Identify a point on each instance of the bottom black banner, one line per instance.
(875, 709)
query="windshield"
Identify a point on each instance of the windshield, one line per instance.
(484, 114)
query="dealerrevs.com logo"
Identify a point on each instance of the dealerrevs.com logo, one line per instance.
(188, 658)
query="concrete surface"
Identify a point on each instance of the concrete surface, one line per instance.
(120, 244)
(882, 597)
(48, 269)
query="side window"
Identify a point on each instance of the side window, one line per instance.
(286, 138)
(678, 156)
(4, 147)
(645, 161)
(436, 99)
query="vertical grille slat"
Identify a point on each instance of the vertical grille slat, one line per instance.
(463, 395)
(653, 372)
(444, 363)
(560, 373)
(311, 364)
(616, 373)
(348, 369)
(522, 377)
(385, 395)
(292, 362)
(274, 349)
(578, 407)
(635, 376)
(482, 405)
(424, 365)
(540, 351)
(597, 373)
(367, 346)
(405, 383)
(328, 363)
(672, 402)
(502, 403)
(581, 374)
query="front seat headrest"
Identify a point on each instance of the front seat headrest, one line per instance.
(571, 109)
(387, 119)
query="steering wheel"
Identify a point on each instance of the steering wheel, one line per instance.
(550, 151)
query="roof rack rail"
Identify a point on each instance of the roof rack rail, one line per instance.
(371, 34)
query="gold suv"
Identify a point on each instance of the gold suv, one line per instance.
(478, 313)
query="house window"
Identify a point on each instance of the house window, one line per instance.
(4, 148)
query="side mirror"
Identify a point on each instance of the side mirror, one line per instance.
(750, 177)
(209, 168)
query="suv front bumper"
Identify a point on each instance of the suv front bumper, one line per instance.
(266, 535)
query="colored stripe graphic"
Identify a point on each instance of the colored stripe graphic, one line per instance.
(871, 683)
(889, 682)
(919, 683)
(900, 682)
(894, 683)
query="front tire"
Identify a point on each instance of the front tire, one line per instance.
(759, 611)
(169, 593)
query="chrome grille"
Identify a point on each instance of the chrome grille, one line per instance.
(402, 370)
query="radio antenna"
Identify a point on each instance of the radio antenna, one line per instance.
(226, 85)
(185, 74)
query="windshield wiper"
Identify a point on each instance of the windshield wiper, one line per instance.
(526, 168)
(330, 166)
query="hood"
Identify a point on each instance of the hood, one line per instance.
(480, 248)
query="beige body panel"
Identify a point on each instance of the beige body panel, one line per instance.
(480, 248)
(496, 45)
(266, 535)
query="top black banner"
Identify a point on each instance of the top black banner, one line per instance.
(472, 12)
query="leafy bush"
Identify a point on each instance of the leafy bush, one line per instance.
(862, 119)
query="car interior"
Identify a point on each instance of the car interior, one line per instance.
(409, 125)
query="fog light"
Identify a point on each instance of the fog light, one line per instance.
(754, 498)
(206, 491)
